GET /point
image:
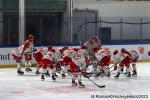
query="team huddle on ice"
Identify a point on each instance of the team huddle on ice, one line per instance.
(75, 61)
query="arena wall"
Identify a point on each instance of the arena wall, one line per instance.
(116, 11)
(6, 59)
(115, 8)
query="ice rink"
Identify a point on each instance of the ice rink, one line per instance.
(30, 87)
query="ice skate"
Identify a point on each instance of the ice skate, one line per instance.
(81, 85)
(74, 83)
(134, 73)
(47, 73)
(56, 75)
(54, 78)
(28, 69)
(108, 75)
(42, 77)
(19, 72)
(37, 72)
(63, 75)
(129, 74)
(125, 73)
(117, 76)
(121, 69)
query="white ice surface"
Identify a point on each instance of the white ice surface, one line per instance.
(30, 87)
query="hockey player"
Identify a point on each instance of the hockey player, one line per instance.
(134, 58)
(68, 55)
(90, 44)
(59, 61)
(116, 59)
(48, 61)
(28, 52)
(17, 54)
(38, 55)
(77, 67)
(103, 58)
(82, 52)
(124, 61)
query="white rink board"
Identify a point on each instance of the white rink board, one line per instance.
(7, 59)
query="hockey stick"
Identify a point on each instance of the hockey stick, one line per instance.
(93, 71)
(65, 72)
(100, 86)
(62, 74)
(112, 66)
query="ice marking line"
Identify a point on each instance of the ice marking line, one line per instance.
(67, 89)
(18, 93)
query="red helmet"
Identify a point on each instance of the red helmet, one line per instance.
(115, 52)
(76, 49)
(65, 47)
(83, 47)
(53, 50)
(95, 49)
(30, 37)
(49, 47)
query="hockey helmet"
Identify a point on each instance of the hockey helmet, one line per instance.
(49, 47)
(30, 38)
(53, 50)
(83, 47)
(65, 47)
(115, 52)
(76, 49)
(123, 50)
(95, 49)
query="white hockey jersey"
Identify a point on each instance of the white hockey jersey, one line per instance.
(50, 56)
(30, 48)
(43, 51)
(116, 58)
(70, 53)
(134, 54)
(18, 51)
(82, 53)
(80, 62)
(100, 54)
(57, 54)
